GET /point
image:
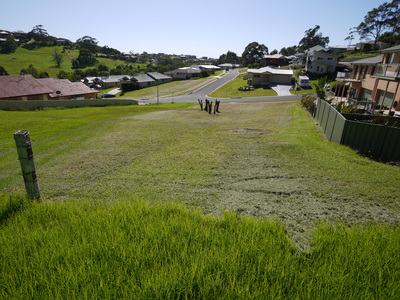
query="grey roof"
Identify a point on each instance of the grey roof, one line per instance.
(369, 60)
(392, 49)
(158, 76)
(271, 71)
(142, 78)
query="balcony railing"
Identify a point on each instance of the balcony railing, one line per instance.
(346, 76)
(391, 71)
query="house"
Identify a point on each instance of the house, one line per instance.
(228, 66)
(275, 60)
(104, 82)
(129, 83)
(159, 78)
(268, 75)
(376, 79)
(25, 87)
(184, 73)
(371, 45)
(63, 89)
(320, 60)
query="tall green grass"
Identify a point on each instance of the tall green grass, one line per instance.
(133, 250)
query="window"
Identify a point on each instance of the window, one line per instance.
(330, 58)
(322, 69)
(320, 58)
(317, 68)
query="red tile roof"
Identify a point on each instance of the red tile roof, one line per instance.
(21, 85)
(26, 85)
(64, 87)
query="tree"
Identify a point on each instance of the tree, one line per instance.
(9, 46)
(312, 38)
(88, 43)
(85, 58)
(57, 58)
(288, 51)
(384, 18)
(229, 57)
(274, 52)
(38, 33)
(3, 71)
(30, 70)
(254, 54)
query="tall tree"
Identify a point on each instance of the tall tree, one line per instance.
(38, 33)
(89, 43)
(229, 57)
(254, 54)
(379, 20)
(312, 38)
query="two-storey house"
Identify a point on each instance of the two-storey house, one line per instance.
(320, 60)
(375, 79)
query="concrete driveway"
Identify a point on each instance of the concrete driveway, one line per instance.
(281, 89)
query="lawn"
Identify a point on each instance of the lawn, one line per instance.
(169, 202)
(230, 89)
(169, 90)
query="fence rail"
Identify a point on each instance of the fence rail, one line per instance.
(380, 142)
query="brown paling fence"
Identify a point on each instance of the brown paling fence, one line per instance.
(380, 142)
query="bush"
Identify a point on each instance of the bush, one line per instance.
(308, 102)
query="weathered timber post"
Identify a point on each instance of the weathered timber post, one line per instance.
(206, 108)
(201, 103)
(218, 102)
(210, 107)
(25, 154)
(215, 106)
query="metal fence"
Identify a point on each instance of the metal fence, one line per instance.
(380, 142)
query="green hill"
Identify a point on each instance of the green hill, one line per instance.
(42, 60)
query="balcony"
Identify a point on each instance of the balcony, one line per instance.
(346, 76)
(387, 71)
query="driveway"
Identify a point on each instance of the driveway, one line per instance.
(281, 89)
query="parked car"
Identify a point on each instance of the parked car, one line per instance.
(107, 95)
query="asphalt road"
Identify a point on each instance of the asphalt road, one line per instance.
(208, 89)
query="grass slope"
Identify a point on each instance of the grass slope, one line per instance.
(170, 202)
(42, 60)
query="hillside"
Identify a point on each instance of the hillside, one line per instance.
(42, 60)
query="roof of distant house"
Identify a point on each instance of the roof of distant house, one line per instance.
(270, 70)
(142, 78)
(158, 76)
(21, 85)
(275, 56)
(64, 87)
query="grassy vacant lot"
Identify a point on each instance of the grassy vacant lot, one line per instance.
(230, 89)
(169, 90)
(170, 202)
(42, 60)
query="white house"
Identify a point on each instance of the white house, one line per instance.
(321, 60)
(268, 75)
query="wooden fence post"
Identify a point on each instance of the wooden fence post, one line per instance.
(201, 104)
(25, 154)
(210, 107)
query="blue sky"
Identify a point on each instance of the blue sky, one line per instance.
(202, 28)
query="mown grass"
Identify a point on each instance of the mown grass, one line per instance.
(169, 90)
(169, 202)
(230, 89)
(133, 250)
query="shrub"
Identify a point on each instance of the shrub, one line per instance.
(308, 102)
